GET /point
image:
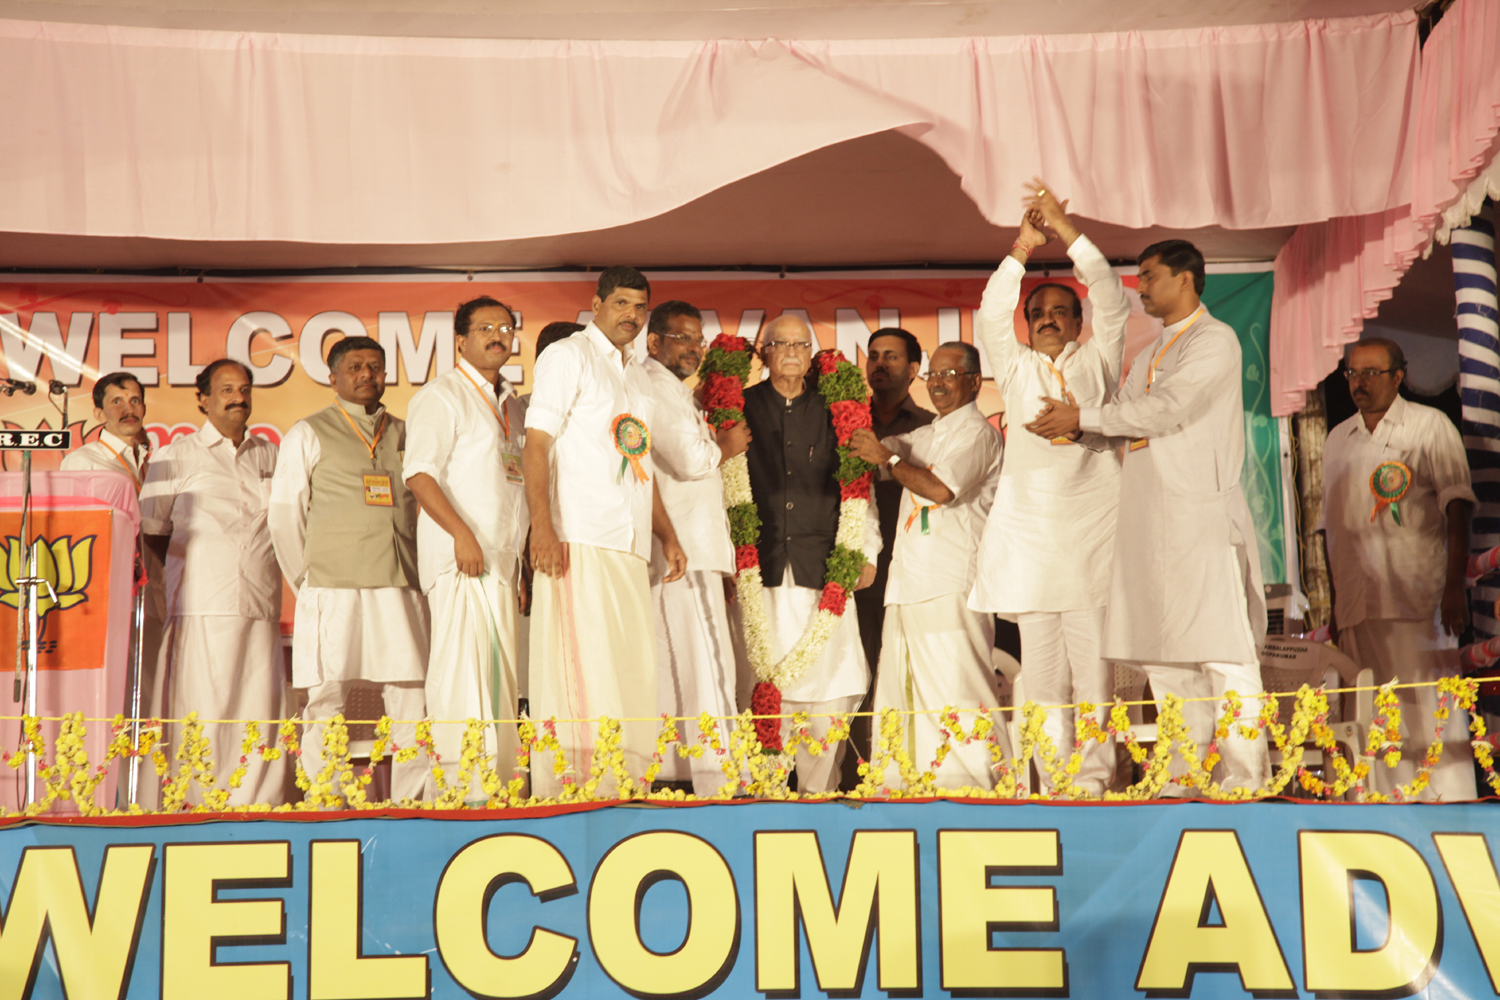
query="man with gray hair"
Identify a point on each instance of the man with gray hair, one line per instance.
(793, 458)
(934, 650)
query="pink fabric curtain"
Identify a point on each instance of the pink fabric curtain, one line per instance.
(1331, 276)
(227, 136)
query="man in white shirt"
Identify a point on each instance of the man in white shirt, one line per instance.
(1185, 598)
(345, 530)
(592, 486)
(124, 447)
(464, 433)
(793, 459)
(203, 509)
(1399, 591)
(694, 654)
(1047, 548)
(934, 650)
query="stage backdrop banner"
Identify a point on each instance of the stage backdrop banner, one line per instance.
(778, 899)
(165, 330)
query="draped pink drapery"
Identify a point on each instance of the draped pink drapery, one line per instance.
(1331, 276)
(201, 135)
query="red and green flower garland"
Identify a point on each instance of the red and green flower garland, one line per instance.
(724, 372)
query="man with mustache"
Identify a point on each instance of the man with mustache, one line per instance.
(591, 480)
(1046, 547)
(892, 361)
(1185, 596)
(1400, 599)
(934, 650)
(694, 653)
(203, 510)
(123, 446)
(793, 458)
(464, 435)
(345, 529)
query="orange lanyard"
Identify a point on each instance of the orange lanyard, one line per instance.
(1060, 380)
(501, 413)
(1151, 372)
(121, 459)
(379, 429)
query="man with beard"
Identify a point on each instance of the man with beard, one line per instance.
(592, 486)
(1046, 550)
(892, 361)
(1185, 597)
(345, 529)
(935, 651)
(464, 434)
(793, 459)
(1400, 598)
(694, 653)
(203, 511)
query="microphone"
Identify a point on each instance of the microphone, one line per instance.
(11, 386)
(55, 388)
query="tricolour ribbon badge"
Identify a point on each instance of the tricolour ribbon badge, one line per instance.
(1389, 482)
(633, 442)
(922, 509)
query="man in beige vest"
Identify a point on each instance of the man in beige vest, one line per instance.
(345, 530)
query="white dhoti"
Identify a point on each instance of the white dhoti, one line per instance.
(695, 671)
(936, 654)
(1414, 651)
(1244, 763)
(228, 667)
(1061, 665)
(593, 653)
(833, 684)
(374, 635)
(471, 671)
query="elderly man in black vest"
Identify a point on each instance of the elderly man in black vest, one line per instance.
(793, 459)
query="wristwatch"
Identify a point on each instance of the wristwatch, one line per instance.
(890, 463)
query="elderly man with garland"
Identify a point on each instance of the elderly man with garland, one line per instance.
(1046, 554)
(123, 446)
(794, 461)
(464, 434)
(934, 650)
(1185, 597)
(595, 504)
(203, 510)
(694, 653)
(1400, 597)
(345, 528)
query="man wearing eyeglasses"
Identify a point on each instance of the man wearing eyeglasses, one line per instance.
(934, 650)
(1047, 547)
(1398, 568)
(793, 457)
(464, 434)
(694, 652)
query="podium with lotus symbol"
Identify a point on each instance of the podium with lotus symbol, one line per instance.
(83, 532)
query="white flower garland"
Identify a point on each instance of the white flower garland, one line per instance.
(751, 590)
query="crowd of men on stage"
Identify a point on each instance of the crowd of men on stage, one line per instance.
(490, 541)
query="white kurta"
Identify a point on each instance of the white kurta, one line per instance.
(1051, 531)
(109, 453)
(376, 634)
(1382, 569)
(686, 457)
(935, 651)
(1186, 567)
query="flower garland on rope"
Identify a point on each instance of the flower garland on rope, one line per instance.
(725, 371)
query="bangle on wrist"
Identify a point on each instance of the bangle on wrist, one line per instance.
(1025, 248)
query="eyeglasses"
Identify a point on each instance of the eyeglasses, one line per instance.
(947, 375)
(789, 345)
(492, 328)
(683, 338)
(1355, 374)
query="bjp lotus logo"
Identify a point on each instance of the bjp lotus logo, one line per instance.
(67, 566)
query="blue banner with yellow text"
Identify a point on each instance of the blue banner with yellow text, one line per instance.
(928, 899)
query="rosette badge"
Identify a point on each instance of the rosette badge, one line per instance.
(633, 442)
(1389, 482)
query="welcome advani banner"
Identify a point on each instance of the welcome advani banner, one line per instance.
(932, 899)
(164, 330)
